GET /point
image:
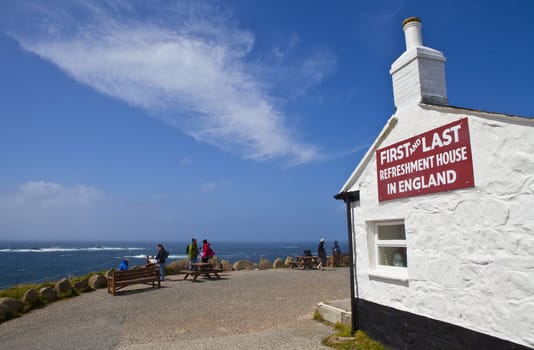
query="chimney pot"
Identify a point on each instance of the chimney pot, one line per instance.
(412, 32)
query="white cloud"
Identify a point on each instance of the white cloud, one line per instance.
(185, 161)
(208, 187)
(189, 68)
(49, 195)
(39, 208)
(40, 190)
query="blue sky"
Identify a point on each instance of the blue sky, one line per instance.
(234, 120)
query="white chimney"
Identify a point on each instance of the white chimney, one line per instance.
(412, 32)
(419, 73)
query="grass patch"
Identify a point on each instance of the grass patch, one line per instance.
(343, 340)
(17, 292)
(317, 316)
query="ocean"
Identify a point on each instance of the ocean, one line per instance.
(26, 262)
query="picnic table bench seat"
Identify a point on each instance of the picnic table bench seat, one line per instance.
(144, 275)
(202, 271)
(294, 264)
(304, 261)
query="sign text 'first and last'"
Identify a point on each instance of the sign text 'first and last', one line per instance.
(437, 160)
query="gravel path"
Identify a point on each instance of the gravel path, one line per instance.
(269, 309)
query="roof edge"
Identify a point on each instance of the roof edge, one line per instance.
(481, 113)
(392, 122)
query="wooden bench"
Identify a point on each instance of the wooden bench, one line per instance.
(144, 275)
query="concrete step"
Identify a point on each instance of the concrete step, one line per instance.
(336, 311)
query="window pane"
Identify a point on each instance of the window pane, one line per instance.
(392, 256)
(388, 232)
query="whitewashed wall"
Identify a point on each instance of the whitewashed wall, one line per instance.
(470, 251)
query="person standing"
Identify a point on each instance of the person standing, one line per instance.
(192, 253)
(207, 252)
(161, 258)
(321, 252)
(336, 254)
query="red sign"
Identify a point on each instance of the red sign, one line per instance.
(438, 160)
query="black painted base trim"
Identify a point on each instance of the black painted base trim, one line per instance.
(403, 330)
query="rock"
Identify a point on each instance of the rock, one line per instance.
(98, 281)
(63, 287)
(226, 265)
(177, 266)
(31, 297)
(48, 294)
(264, 264)
(82, 286)
(4, 315)
(11, 305)
(214, 260)
(278, 263)
(288, 260)
(244, 265)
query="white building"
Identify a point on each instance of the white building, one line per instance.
(441, 213)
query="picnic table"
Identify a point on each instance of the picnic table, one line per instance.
(205, 269)
(306, 262)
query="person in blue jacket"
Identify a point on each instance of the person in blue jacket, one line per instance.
(161, 258)
(124, 265)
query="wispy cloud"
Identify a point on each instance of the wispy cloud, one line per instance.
(50, 195)
(376, 17)
(187, 64)
(185, 161)
(208, 187)
(39, 208)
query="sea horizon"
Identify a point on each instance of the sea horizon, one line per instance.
(39, 261)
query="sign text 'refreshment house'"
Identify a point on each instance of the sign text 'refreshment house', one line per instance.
(437, 160)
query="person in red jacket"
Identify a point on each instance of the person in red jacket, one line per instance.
(207, 252)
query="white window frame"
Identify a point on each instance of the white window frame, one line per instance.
(383, 271)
